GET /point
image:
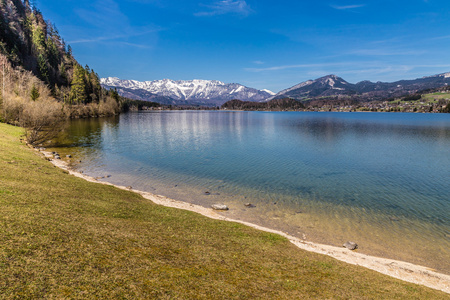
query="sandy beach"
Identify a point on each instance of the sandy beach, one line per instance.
(394, 268)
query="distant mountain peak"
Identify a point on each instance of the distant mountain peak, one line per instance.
(196, 91)
(332, 85)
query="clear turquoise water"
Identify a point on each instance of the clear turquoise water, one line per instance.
(379, 179)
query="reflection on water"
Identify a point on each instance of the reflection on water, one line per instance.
(380, 179)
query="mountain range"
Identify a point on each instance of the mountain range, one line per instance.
(213, 92)
(181, 92)
(332, 85)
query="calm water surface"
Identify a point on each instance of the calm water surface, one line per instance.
(381, 180)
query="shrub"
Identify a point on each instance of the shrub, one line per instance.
(43, 120)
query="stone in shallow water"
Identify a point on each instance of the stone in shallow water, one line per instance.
(219, 207)
(350, 245)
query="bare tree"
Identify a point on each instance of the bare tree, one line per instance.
(43, 121)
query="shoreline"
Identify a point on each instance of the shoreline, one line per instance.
(398, 269)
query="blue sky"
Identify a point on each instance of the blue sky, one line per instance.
(261, 44)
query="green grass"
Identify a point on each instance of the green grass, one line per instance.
(434, 97)
(62, 237)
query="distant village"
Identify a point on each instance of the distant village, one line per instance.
(441, 106)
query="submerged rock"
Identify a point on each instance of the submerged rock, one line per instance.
(249, 205)
(219, 207)
(350, 245)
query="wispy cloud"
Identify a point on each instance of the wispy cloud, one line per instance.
(109, 23)
(300, 66)
(258, 62)
(223, 7)
(103, 14)
(386, 52)
(136, 45)
(445, 37)
(347, 7)
(140, 32)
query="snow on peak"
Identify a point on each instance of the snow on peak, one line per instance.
(190, 89)
(300, 85)
(268, 92)
(330, 82)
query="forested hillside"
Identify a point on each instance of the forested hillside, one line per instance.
(276, 105)
(42, 84)
(33, 43)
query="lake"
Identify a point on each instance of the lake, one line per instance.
(379, 179)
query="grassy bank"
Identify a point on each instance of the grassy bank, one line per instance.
(63, 237)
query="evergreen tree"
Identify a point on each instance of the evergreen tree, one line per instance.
(43, 68)
(96, 87)
(78, 86)
(34, 93)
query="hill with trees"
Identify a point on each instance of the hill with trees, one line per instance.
(332, 86)
(276, 105)
(42, 84)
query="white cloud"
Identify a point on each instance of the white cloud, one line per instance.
(386, 52)
(302, 66)
(104, 14)
(136, 32)
(445, 37)
(223, 7)
(110, 24)
(346, 7)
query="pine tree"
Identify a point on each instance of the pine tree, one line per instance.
(43, 68)
(96, 87)
(34, 93)
(78, 86)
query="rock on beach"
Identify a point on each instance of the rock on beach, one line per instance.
(219, 207)
(350, 245)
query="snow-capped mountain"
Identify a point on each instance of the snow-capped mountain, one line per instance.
(323, 86)
(206, 92)
(332, 85)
